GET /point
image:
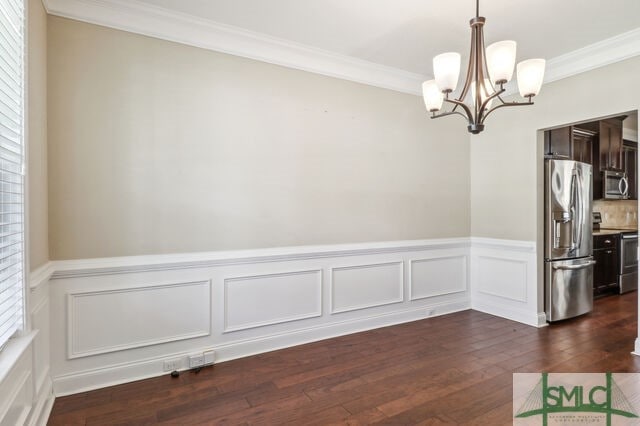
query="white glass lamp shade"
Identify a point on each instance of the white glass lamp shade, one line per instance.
(432, 96)
(446, 68)
(484, 94)
(501, 59)
(530, 75)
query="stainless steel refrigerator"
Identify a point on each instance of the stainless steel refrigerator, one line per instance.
(568, 246)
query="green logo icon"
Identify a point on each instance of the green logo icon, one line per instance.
(606, 398)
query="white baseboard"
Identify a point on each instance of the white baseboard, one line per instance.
(152, 367)
(542, 319)
(42, 409)
(522, 316)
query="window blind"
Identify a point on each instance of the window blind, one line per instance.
(11, 168)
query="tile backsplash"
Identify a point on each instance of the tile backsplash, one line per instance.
(617, 214)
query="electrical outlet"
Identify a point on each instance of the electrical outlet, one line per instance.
(196, 360)
(171, 364)
(209, 357)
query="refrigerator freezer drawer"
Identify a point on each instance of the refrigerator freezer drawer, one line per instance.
(568, 288)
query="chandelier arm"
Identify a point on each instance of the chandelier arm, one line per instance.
(464, 106)
(505, 104)
(500, 97)
(529, 102)
(495, 94)
(455, 106)
(444, 114)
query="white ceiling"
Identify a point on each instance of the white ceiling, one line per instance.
(406, 34)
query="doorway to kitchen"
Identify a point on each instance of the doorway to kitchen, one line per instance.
(590, 211)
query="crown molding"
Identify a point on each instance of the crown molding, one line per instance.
(596, 55)
(153, 21)
(173, 26)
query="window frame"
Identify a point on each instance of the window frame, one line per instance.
(15, 344)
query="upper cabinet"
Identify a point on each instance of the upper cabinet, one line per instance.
(582, 145)
(610, 144)
(598, 143)
(571, 142)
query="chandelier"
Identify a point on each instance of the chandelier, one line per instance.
(488, 71)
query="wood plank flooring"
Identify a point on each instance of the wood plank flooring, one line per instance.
(453, 369)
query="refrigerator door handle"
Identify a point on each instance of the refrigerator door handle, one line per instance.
(574, 267)
(575, 209)
(581, 214)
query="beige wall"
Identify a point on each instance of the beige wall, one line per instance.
(37, 134)
(506, 159)
(156, 147)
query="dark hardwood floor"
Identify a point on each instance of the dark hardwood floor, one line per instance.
(451, 369)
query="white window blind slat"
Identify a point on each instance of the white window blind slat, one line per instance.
(11, 13)
(9, 79)
(10, 273)
(11, 170)
(12, 44)
(8, 117)
(7, 102)
(9, 296)
(6, 97)
(7, 53)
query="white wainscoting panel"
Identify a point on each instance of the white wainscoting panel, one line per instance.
(117, 320)
(41, 344)
(40, 315)
(504, 280)
(438, 276)
(102, 321)
(262, 300)
(366, 286)
(16, 381)
(500, 277)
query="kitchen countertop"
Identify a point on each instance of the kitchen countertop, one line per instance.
(612, 231)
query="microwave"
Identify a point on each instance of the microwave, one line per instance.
(615, 185)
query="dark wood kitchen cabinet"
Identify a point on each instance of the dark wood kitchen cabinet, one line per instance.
(630, 166)
(572, 142)
(582, 146)
(610, 144)
(598, 143)
(605, 271)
